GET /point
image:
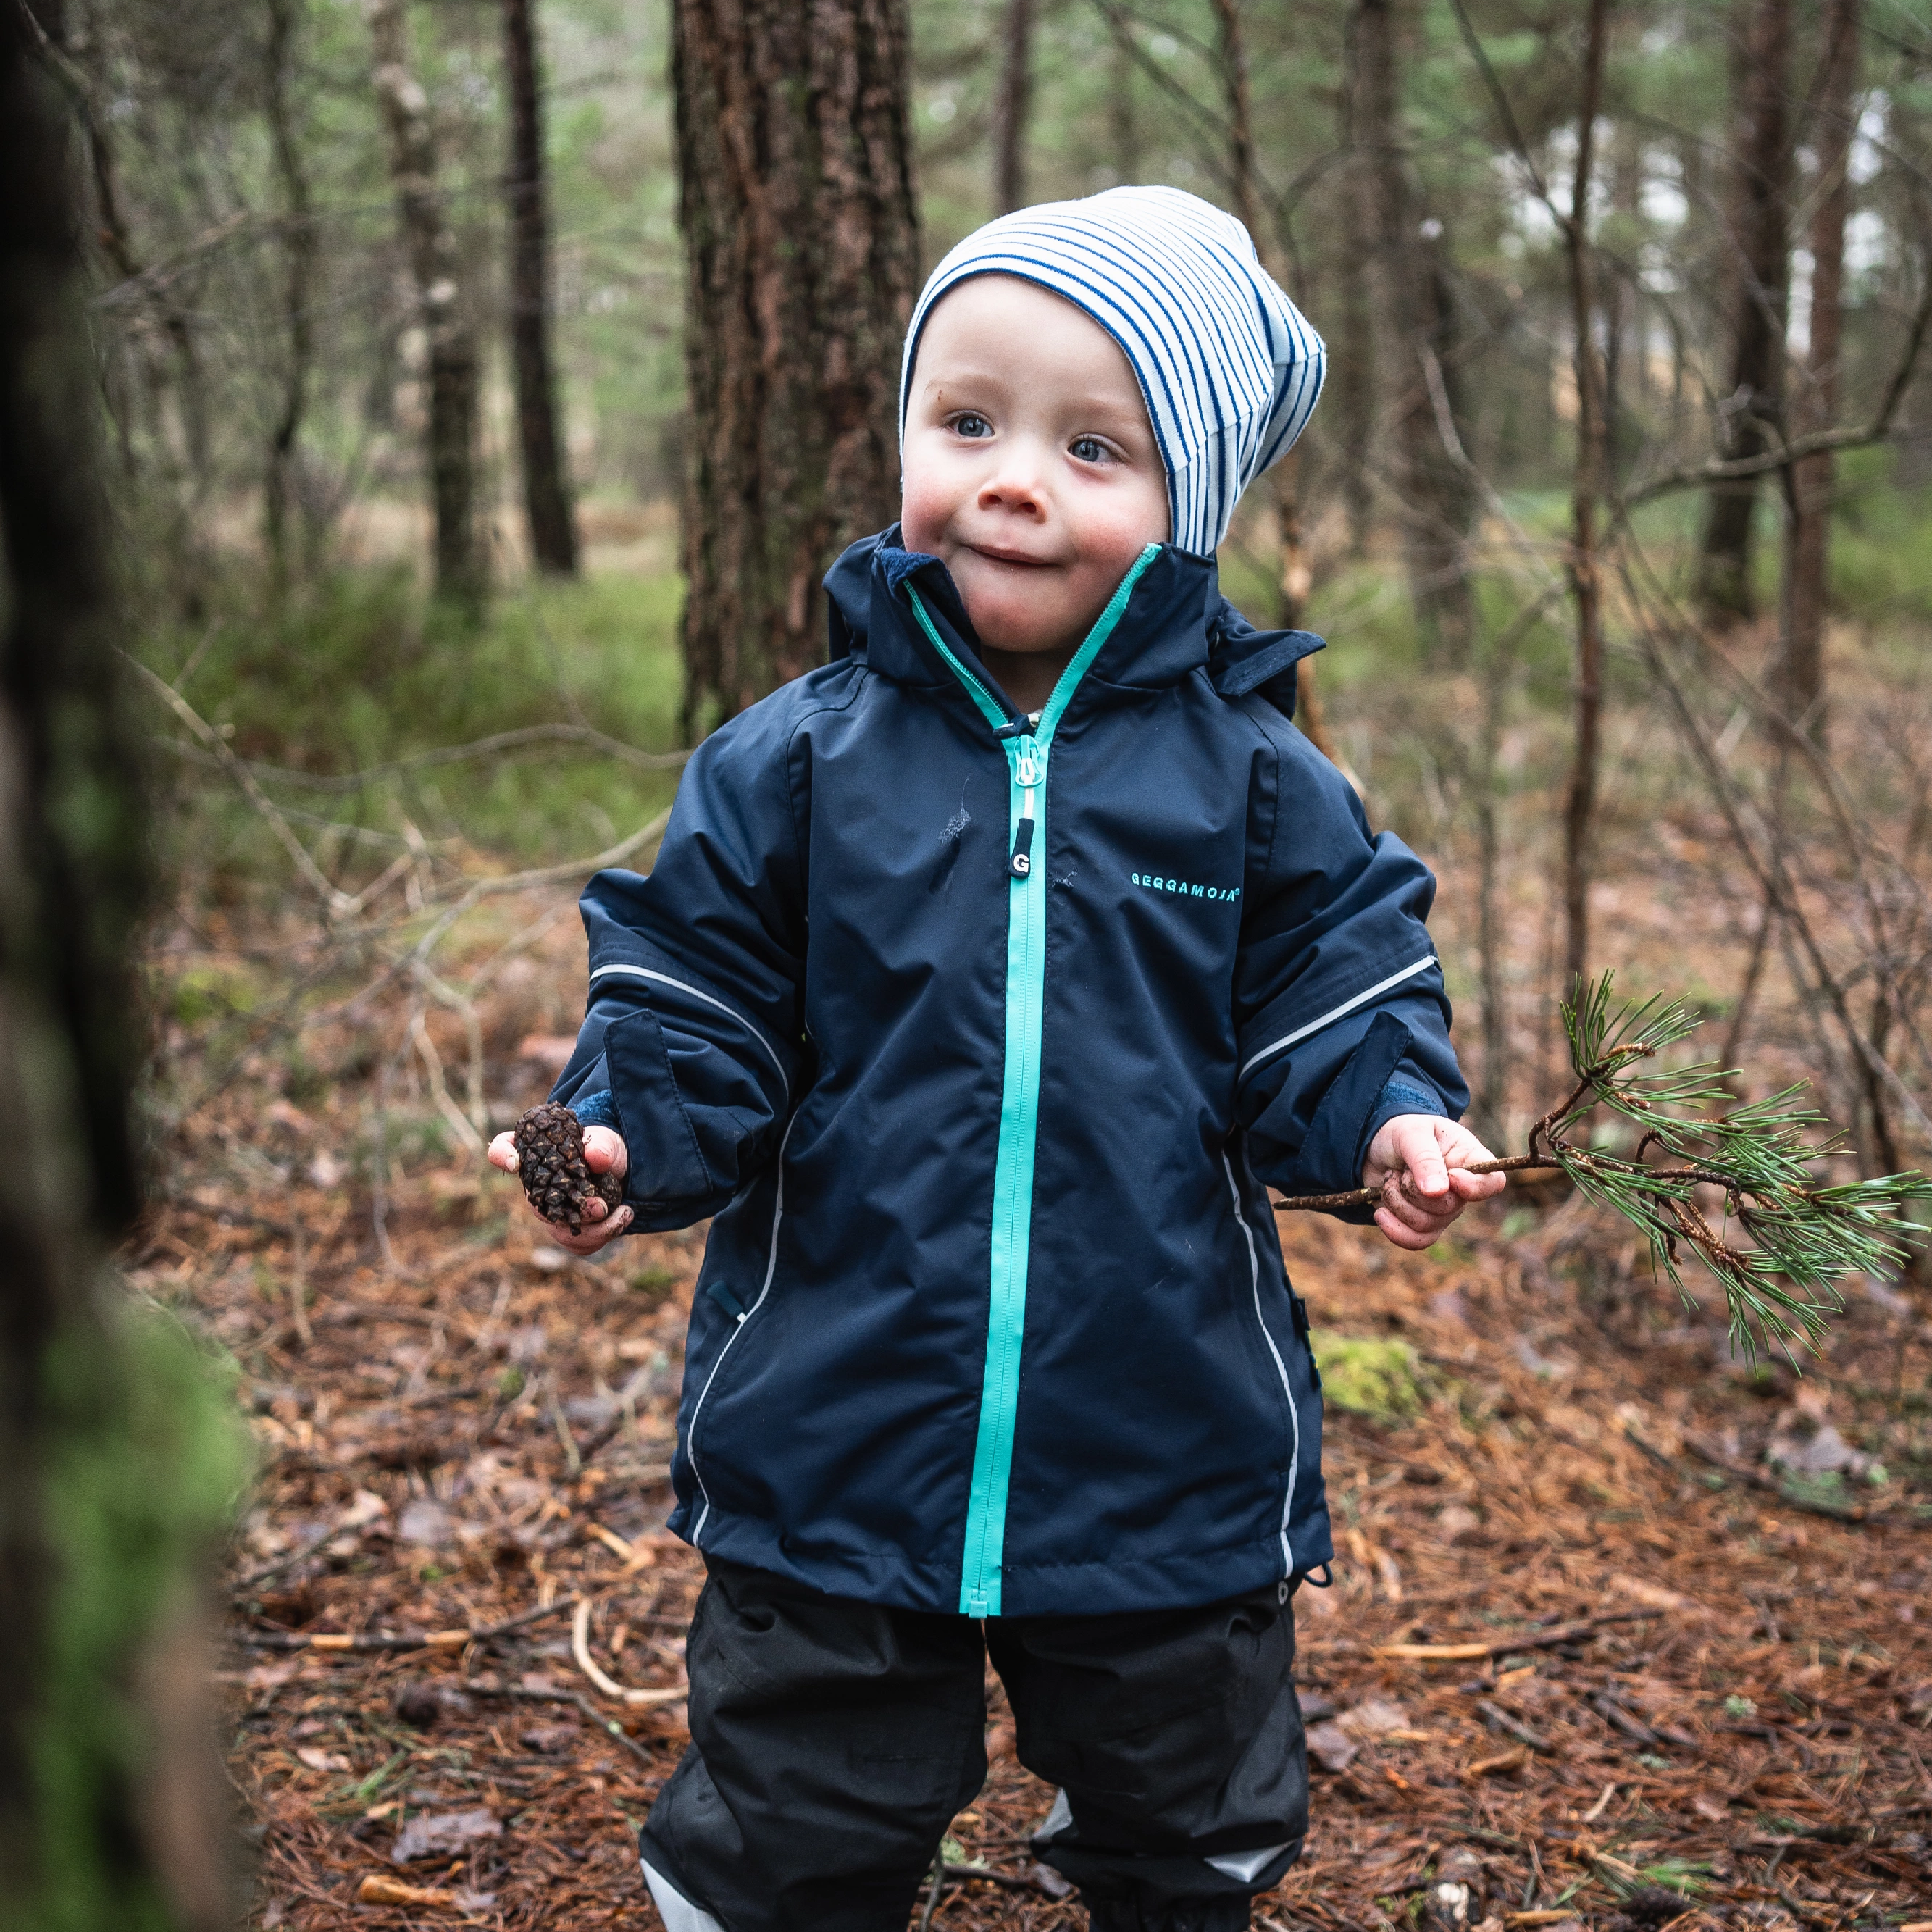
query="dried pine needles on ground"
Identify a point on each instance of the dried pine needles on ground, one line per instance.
(1625, 1631)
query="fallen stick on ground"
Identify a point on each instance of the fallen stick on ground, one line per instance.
(1756, 1479)
(244, 1585)
(377, 1890)
(1511, 1646)
(399, 1640)
(579, 1648)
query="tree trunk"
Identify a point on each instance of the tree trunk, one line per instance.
(279, 495)
(1351, 356)
(1291, 575)
(1123, 130)
(802, 254)
(1416, 352)
(1580, 816)
(437, 270)
(1759, 269)
(547, 505)
(1809, 551)
(76, 1767)
(1013, 109)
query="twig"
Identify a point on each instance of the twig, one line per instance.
(579, 1648)
(338, 903)
(246, 1586)
(1551, 1639)
(1756, 1479)
(481, 748)
(389, 1642)
(932, 1894)
(1500, 1720)
(1372, 1197)
(1805, 1236)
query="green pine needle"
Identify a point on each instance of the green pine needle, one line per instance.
(1799, 1237)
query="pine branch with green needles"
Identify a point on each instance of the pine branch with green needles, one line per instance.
(1786, 1240)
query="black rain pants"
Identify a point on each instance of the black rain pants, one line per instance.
(833, 1743)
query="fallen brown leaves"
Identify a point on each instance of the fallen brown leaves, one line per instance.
(1620, 1686)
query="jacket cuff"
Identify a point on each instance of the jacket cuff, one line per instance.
(1329, 1160)
(596, 1110)
(1407, 1092)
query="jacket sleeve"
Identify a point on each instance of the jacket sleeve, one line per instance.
(692, 1046)
(1340, 1009)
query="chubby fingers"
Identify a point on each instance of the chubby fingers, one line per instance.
(595, 1234)
(1407, 1225)
(1403, 1203)
(1418, 1152)
(604, 1152)
(502, 1153)
(1476, 1186)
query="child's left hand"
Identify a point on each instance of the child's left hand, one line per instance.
(1427, 1157)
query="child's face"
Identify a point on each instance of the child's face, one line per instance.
(1031, 467)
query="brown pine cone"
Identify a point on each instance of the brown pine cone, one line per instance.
(550, 1164)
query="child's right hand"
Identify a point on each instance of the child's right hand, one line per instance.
(604, 1153)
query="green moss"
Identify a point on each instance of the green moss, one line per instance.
(146, 1465)
(1375, 1376)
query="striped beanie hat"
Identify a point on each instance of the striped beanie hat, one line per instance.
(1229, 367)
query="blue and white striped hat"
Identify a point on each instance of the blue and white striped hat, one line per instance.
(1228, 365)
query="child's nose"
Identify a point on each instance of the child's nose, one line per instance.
(1017, 483)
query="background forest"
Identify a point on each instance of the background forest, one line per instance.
(481, 390)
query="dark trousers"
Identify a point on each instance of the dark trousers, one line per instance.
(833, 1743)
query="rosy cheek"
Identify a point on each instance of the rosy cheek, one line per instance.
(925, 509)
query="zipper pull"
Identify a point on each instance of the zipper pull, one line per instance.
(1028, 770)
(1021, 863)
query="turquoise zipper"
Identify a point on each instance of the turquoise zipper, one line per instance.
(982, 1566)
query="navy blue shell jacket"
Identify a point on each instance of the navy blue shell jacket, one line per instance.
(980, 1037)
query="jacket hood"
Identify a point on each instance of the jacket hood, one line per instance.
(1177, 622)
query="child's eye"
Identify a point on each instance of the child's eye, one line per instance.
(970, 423)
(1087, 449)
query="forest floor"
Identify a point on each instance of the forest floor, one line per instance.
(1688, 1596)
(1681, 1687)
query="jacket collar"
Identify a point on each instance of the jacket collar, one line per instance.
(1176, 622)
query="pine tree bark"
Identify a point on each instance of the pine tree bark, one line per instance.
(546, 501)
(1418, 359)
(1013, 108)
(801, 245)
(1759, 269)
(436, 268)
(1808, 561)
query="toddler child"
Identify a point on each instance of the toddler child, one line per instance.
(986, 980)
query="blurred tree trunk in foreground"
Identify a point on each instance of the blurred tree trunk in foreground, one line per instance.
(1013, 108)
(1418, 357)
(109, 1810)
(547, 503)
(1802, 694)
(796, 199)
(1759, 272)
(437, 270)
